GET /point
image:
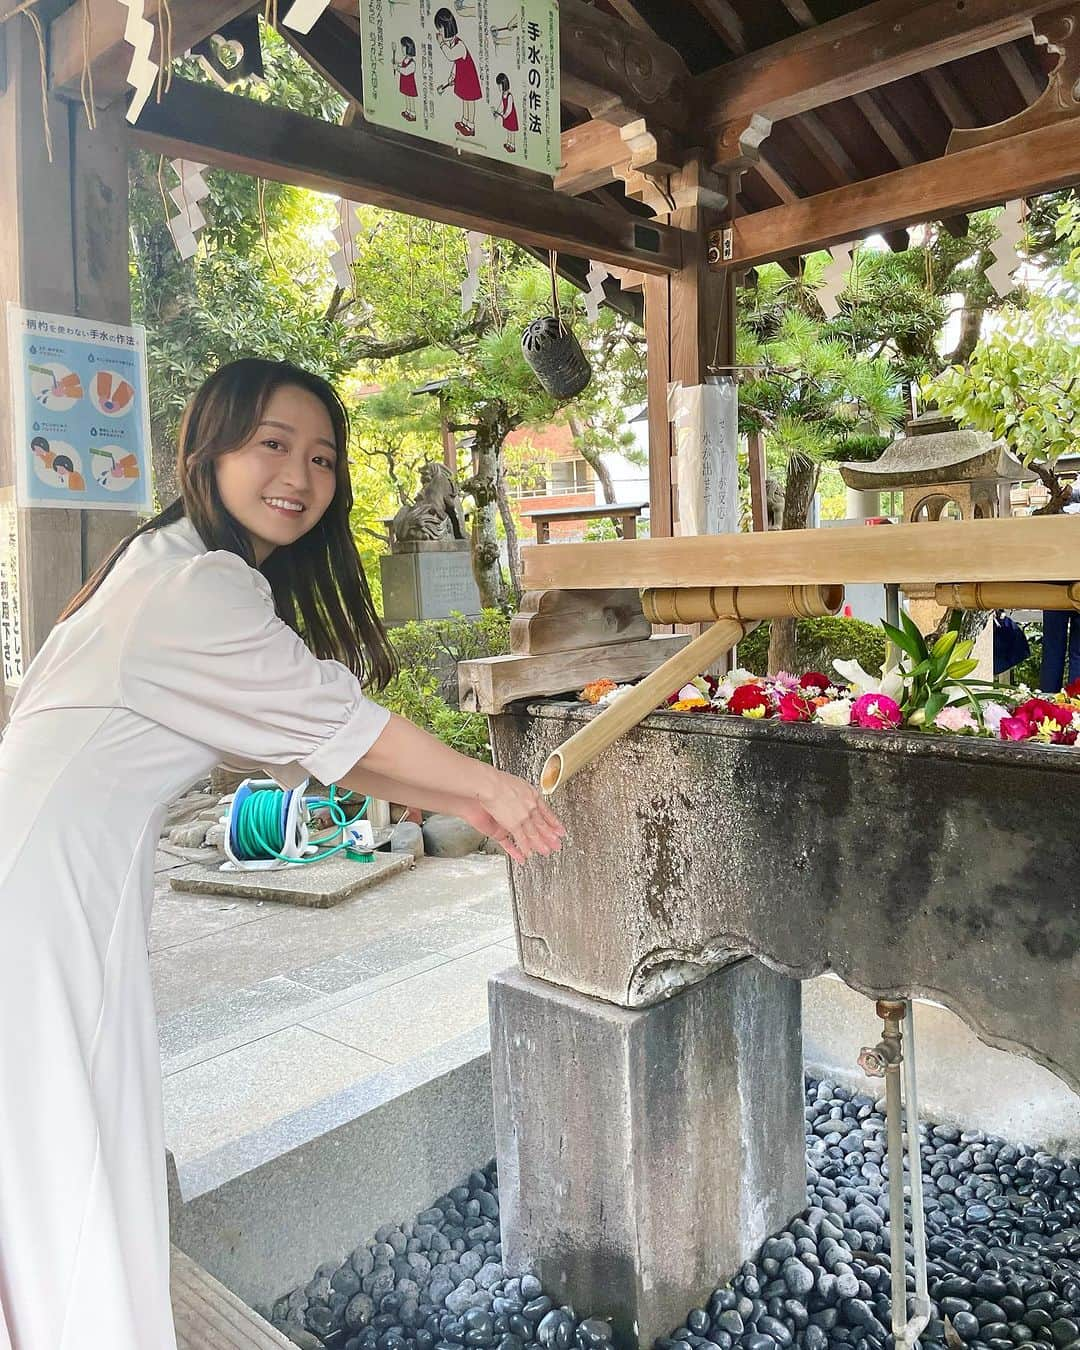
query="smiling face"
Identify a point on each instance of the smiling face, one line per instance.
(279, 483)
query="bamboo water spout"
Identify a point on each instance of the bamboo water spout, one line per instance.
(736, 609)
(629, 709)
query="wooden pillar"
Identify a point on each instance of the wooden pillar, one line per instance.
(64, 228)
(689, 327)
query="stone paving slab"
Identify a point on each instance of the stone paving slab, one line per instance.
(407, 1018)
(213, 1102)
(315, 885)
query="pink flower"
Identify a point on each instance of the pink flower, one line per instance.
(876, 711)
(1015, 729)
(784, 680)
(955, 719)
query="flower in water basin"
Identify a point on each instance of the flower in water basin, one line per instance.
(835, 713)
(955, 719)
(750, 700)
(876, 711)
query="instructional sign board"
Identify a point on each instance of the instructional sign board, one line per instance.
(477, 75)
(81, 412)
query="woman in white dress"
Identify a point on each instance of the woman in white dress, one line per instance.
(184, 650)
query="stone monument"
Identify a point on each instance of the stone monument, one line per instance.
(428, 572)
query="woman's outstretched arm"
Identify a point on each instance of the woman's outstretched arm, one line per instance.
(427, 773)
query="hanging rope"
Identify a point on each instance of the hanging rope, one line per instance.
(40, 35)
(86, 81)
(165, 50)
(553, 263)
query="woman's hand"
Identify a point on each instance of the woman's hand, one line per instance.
(515, 815)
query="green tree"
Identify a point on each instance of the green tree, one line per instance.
(1022, 379)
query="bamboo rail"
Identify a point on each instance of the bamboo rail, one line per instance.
(1008, 595)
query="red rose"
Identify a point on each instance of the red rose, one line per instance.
(1073, 690)
(813, 679)
(749, 697)
(795, 708)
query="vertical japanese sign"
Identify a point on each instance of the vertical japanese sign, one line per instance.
(478, 75)
(10, 622)
(81, 412)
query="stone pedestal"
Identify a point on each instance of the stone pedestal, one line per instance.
(428, 580)
(644, 1154)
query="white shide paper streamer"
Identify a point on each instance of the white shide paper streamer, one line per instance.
(594, 296)
(142, 73)
(186, 196)
(1010, 226)
(345, 237)
(473, 262)
(303, 14)
(834, 279)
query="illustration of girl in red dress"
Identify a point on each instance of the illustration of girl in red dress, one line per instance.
(406, 69)
(507, 113)
(465, 80)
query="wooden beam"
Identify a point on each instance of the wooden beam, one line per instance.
(202, 123)
(618, 72)
(110, 55)
(591, 155)
(879, 43)
(1032, 548)
(1037, 161)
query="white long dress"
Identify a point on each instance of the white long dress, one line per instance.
(177, 663)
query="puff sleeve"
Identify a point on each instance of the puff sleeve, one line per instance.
(206, 655)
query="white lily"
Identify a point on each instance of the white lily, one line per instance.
(887, 682)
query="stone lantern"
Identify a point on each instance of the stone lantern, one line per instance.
(945, 473)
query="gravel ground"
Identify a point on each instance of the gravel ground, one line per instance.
(1003, 1236)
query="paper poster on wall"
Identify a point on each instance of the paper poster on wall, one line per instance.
(81, 412)
(10, 623)
(478, 75)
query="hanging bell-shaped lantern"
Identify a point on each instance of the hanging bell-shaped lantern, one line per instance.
(555, 357)
(551, 350)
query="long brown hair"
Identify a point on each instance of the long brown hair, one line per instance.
(319, 585)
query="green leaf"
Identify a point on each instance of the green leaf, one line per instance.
(913, 632)
(934, 705)
(905, 643)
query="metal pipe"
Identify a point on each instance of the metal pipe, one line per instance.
(921, 1316)
(889, 1060)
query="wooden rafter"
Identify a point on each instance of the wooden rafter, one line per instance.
(109, 55)
(1041, 160)
(201, 123)
(871, 46)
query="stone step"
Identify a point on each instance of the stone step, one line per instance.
(209, 1317)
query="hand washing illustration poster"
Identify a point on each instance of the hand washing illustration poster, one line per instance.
(81, 412)
(478, 75)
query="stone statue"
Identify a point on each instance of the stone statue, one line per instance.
(435, 513)
(774, 504)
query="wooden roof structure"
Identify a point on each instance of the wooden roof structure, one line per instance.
(700, 137)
